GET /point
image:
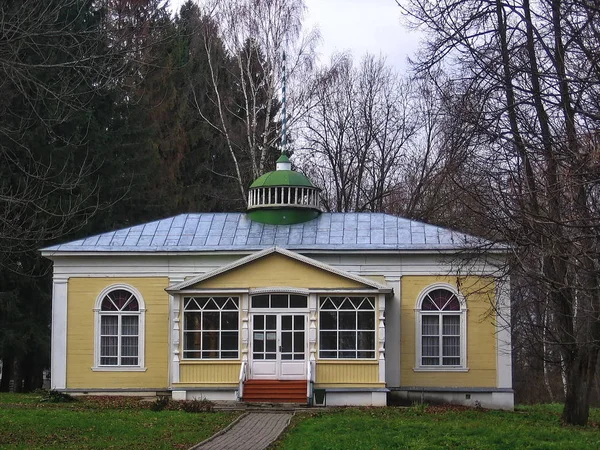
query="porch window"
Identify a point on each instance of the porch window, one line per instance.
(210, 327)
(347, 327)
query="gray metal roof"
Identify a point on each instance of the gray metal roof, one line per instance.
(207, 232)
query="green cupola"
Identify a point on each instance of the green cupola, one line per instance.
(283, 197)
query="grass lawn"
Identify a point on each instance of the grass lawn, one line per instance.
(101, 423)
(531, 427)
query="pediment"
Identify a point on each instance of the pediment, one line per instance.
(278, 267)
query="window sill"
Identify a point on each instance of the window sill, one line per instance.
(118, 369)
(440, 369)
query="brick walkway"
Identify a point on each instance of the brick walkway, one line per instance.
(255, 431)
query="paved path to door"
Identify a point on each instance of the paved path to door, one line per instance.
(254, 431)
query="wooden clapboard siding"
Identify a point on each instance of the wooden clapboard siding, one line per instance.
(481, 334)
(82, 295)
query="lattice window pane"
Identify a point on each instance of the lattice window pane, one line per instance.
(430, 325)
(451, 346)
(451, 325)
(430, 346)
(109, 325)
(129, 325)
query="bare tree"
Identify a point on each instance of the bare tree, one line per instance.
(254, 35)
(356, 133)
(534, 70)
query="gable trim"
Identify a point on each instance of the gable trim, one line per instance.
(253, 257)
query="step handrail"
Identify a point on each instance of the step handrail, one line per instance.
(242, 379)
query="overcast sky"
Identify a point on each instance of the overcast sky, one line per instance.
(359, 26)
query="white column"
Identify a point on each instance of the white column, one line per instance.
(244, 302)
(503, 347)
(175, 335)
(312, 327)
(381, 351)
(58, 364)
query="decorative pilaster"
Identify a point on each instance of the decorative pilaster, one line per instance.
(312, 327)
(58, 365)
(175, 303)
(245, 329)
(381, 351)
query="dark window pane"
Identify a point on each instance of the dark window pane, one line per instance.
(271, 342)
(327, 354)
(298, 322)
(229, 340)
(328, 320)
(220, 301)
(286, 322)
(104, 361)
(191, 341)
(347, 320)
(271, 322)
(299, 341)
(192, 321)
(229, 321)
(326, 303)
(440, 297)
(368, 303)
(270, 356)
(259, 344)
(259, 322)
(366, 340)
(108, 305)
(211, 321)
(258, 356)
(231, 304)
(347, 354)
(366, 320)
(347, 340)
(299, 356)
(286, 341)
(191, 354)
(451, 361)
(428, 305)
(279, 301)
(363, 354)
(129, 361)
(453, 304)
(260, 301)
(286, 356)
(337, 301)
(210, 340)
(298, 301)
(347, 304)
(214, 354)
(229, 355)
(431, 361)
(328, 340)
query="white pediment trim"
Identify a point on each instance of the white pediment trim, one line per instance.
(178, 287)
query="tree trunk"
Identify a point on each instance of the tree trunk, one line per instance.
(580, 375)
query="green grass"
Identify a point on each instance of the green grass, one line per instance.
(25, 423)
(532, 427)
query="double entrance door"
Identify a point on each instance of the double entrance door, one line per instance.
(278, 346)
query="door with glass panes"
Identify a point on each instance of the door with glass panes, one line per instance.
(278, 346)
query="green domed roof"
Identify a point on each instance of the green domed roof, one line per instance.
(282, 178)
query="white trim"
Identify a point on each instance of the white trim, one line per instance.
(119, 369)
(173, 354)
(58, 365)
(141, 314)
(503, 336)
(281, 251)
(463, 367)
(279, 290)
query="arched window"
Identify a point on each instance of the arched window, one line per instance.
(441, 329)
(119, 329)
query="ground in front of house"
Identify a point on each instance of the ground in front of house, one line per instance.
(127, 423)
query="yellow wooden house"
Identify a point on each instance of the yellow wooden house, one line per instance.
(282, 303)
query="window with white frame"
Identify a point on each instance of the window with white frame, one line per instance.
(441, 330)
(119, 325)
(211, 327)
(347, 327)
